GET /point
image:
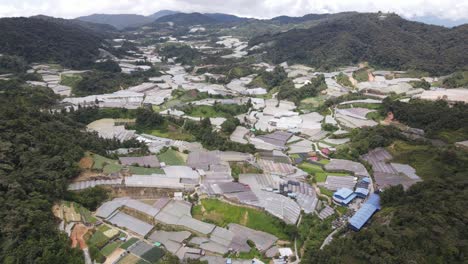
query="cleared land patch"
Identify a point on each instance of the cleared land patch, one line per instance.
(172, 157)
(221, 214)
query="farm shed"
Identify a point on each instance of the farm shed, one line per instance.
(367, 210)
(131, 223)
(337, 182)
(346, 165)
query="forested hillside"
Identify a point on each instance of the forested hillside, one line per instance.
(384, 41)
(44, 40)
(39, 153)
(184, 19)
(427, 223)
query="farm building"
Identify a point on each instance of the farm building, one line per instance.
(367, 210)
(390, 174)
(131, 223)
(172, 241)
(277, 138)
(182, 172)
(156, 181)
(337, 182)
(344, 196)
(349, 166)
(239, 135)
(177, 213)
(202, 159)
(361, 192)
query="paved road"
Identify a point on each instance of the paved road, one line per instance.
(330, 237)
(87, 257)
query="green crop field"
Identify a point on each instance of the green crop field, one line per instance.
(153, 255)
(310, 168)
(326, 192)
(98, 239)
(145, 171)
(221, 214)
(109, 248)
(322, 176)
(129, 242)
(172, 157)
(105, 164)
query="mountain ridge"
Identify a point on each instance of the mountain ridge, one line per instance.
(384, 40)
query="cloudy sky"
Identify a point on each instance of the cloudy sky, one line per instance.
(443, 9)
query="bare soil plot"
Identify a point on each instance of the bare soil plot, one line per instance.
(129, 259)
(71, 215)
(86, 163)
(77, 236)
(114, 256)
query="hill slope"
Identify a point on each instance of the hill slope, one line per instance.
(119, 21)
(184, 19)
(162, 13)
(43, 40)
(389, 42)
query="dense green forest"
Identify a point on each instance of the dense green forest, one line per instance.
(39, 152)
(312, 89)
(390, 42)
(107, 78)
(434, 118)
(42, 40)
(425, 224)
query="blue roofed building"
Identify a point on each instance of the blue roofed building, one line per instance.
(367, 210)
(361, 192)
(344, 196)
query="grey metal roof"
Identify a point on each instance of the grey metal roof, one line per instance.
(202, 159)
(347, 165)
(130, 223)
(277, 138)
(181, 172)
(262, 240)
(107, 208)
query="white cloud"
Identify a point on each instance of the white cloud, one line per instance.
(448, 9)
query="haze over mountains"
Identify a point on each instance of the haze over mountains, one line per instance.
(121, 21)
(320, 40)
(387, 41)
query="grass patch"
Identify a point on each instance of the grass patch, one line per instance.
(310, 168)
(312, 103)
(341, 209)
(361, 75)
(312, 231)
(153, 255)
(454, 135)
(172, 157)
(218, 110)
(241, 168)
(111, 168)
(103, 228)
(145, 171)
(324, 161)
(128, 243)
(86, 214)
(100, 162)
(253, 253)
(376, 116)
(325, 191)
(71, 80)
(221, 214)
(171, 131)
(109, 248)
(421, 157)
(98, 239)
